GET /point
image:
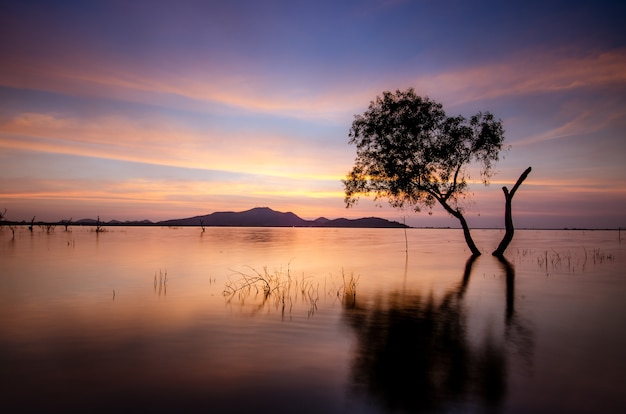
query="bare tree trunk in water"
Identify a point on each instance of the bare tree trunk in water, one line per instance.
(466, 230)
(468, 236)
(508, 215)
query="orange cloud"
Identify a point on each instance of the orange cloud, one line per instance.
(153, 190)
(162, 143)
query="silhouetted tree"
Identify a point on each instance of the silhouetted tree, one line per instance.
(11, 226)
(508, 214)
(99, 228)
(410, 153)
(66, 223)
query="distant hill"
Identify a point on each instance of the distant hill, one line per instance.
(266, 217)
(256, 217)
(93, 222)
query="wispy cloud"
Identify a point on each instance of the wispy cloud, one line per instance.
(170, 144)
(226, 107)
(194, 89)
(525, 73)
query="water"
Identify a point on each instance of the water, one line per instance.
(160, 319)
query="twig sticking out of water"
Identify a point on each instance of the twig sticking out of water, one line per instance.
(406, 240)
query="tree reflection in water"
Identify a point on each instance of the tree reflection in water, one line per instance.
(413, 351)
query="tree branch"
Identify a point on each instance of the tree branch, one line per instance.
(452, 189)
(519, 181)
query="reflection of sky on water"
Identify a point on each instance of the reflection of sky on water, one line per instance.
(420, 333)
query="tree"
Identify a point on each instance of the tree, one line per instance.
(508, 214)
(410, 153)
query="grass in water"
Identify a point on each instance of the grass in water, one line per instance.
(566, 261)
(280, 290)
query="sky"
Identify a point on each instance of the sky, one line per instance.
(159, 110)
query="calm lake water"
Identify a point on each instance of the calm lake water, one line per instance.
(311, 320)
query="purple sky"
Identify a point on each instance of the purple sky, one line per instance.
(158, 110)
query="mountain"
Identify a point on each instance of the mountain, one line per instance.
(367, 222)
(93, 222)
(256, 217)
(266, 217)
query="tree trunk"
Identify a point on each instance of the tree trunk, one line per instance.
(466, 230)
(468, 236)
(508, 214)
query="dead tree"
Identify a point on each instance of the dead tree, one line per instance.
(508, 215)
(99, 228)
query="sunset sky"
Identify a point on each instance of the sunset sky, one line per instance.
(157, 110)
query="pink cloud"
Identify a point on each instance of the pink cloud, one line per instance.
(529, 72)
(167, 143)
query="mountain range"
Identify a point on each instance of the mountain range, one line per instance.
(258, 217)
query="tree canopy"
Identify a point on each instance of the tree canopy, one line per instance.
(411, 153)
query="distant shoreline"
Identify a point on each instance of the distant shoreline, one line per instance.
(133, 224)
(263, 217)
